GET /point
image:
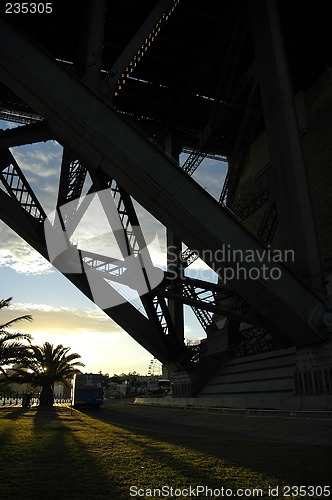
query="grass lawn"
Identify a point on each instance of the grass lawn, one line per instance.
(56, 454)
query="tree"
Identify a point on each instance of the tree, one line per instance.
(11, 347)
(44, 365)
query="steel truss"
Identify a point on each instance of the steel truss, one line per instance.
(253, 341)
(203, 297)
(225, 98)
(72, 124)
(18, 187)
(130, 58)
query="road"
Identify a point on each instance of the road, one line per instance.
(215, 423)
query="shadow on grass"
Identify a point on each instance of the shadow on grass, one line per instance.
(6, 436)
(181, 467)
(182, 461)
(13, 413)
(47, 459)
(80, 471)
(288, 463)
(157, 422)
(59, 454)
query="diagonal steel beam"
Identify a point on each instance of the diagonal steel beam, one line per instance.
(205, 296)
(82, 120)
(124, 314)
(131, 241)
(131, 56)
(72, 178)
(18, 187)
(18, 116)
(28, 134)
(21, 210)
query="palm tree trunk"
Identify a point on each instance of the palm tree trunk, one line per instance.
(46, 398)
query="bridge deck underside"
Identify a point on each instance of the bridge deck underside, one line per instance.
(81, 120)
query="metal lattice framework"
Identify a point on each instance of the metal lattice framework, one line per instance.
(18, 187)
(86, 106)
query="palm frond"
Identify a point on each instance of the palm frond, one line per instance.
(11, 346)
(46, 364)
(25, 317)
(5, 302)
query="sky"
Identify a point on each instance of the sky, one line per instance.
(61, 313)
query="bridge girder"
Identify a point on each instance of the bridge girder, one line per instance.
(78, 118)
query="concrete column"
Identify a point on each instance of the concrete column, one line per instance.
(290, 185)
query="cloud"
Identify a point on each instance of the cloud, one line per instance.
(4, 124)
(102, 344)
(55, 320)
(40, 163)
(33, 159)
(16, 254)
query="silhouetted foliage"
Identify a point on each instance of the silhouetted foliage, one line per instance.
(12, 349)
(44, 365)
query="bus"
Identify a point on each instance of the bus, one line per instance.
(161, 386)
(87, 390)
(164, 385)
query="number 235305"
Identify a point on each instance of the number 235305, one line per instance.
(28, 8)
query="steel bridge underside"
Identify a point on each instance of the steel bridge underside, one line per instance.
(120, 157)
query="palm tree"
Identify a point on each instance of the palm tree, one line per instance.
(44, 365)
(11, 346)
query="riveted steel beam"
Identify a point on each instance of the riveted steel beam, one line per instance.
(82, 120)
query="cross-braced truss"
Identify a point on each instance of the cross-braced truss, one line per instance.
(86, 109)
